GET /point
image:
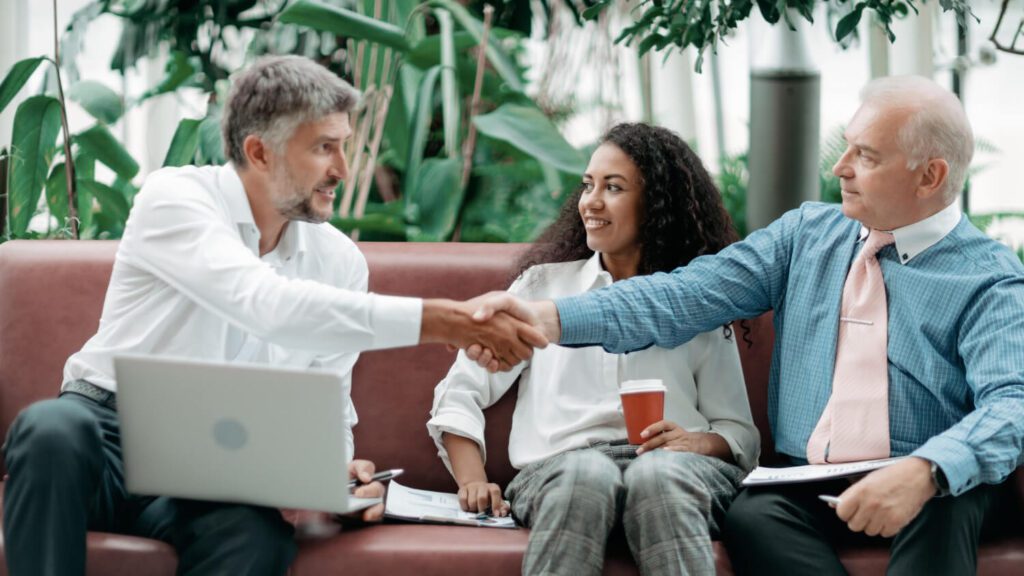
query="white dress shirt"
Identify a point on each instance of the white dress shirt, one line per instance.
(569, 397)
(188, 281)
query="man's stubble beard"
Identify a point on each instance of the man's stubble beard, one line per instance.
(299, 204)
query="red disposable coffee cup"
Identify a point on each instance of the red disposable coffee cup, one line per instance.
(643, 404)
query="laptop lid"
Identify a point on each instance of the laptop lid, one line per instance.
(242, 433)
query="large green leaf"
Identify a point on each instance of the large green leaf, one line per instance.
(36, 124)
(183, 146)
(57, 193)
(112, 202)
(451, 103)
(16, 78)
(344, 23)
(420, 128)
(85, 169)
(437, 200)
(427, 52)
(211, 143)
(99, 143)
(177, 72)
(98, 100)
(530, 131)
(495, 55)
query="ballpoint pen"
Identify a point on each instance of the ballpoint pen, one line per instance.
(381, 476)
(832, 500)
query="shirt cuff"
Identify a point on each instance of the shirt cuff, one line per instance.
(580, 319)
(395, 321)
(956, 460)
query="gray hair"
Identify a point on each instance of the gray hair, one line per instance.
(937, 126)
(276, 94)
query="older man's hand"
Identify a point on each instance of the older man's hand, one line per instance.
(507, 340)
(886, 500)
(543, 315)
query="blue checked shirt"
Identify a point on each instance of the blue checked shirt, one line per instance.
(956, 333)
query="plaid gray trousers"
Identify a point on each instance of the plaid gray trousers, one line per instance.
(670, 504)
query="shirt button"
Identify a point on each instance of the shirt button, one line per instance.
(905, 257)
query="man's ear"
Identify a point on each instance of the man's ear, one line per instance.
(933, 179)
(257, 153)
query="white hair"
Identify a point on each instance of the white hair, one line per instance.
(274, 96)
(936, 127)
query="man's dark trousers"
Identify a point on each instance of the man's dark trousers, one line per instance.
(66, 477)
(788, 530)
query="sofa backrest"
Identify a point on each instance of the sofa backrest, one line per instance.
(51, 295)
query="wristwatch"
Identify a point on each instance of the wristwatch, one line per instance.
(939, 481)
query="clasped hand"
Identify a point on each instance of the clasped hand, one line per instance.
(537, 326)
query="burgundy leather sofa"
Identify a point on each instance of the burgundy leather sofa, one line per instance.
(51, 293)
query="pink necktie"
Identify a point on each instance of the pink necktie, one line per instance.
(855, 423)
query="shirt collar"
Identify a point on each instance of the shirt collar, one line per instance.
(293, 239)
(593, 274)
(915, 238)
(234, 194)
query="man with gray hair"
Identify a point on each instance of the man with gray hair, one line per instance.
(222, 263)
(899, 331)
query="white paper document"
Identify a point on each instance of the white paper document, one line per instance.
(415, 505)
(764, 476)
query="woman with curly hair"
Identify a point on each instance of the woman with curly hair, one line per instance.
(646, 205)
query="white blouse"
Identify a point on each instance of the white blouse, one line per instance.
(569, 397)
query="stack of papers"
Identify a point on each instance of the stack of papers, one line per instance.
(415, 505)
(764, 476)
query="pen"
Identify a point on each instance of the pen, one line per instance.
(832, 500)
(378, 477)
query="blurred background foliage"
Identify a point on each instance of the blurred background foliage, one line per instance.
(435, 156)
(447, 145)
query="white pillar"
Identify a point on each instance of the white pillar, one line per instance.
(13, 47)
(672, 98)
(785, 119)
(914, 50)
(878, 46)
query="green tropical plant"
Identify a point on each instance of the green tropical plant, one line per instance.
(39, 161)
(418, 170)
(660, 24)
(445, 181)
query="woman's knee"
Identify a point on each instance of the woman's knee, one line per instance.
(581, 471)
(661, 471)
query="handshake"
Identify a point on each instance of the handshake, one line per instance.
(497, 330)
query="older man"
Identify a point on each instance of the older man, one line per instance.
(229, 263)
(899, 332)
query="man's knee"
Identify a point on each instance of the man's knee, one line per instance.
(253, 525)
(54, 431)
(749, 514)
(231, 539)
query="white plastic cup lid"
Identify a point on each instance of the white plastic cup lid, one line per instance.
(638, 386)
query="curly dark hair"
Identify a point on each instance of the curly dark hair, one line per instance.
(683, 216)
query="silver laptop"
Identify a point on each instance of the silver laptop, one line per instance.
(234, 433)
